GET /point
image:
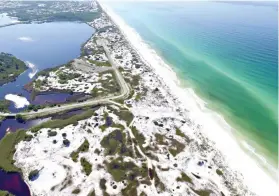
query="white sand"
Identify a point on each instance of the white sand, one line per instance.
(6, 20)
(25, 39)
(19, 101)
(34, 69)
(214, 126)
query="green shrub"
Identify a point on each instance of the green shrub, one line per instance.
(33, 174)
(86, 165)
(83, 148)
(76, 191)
(52, 133)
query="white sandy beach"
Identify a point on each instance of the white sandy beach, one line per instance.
(214, 126)
(19, 101)
(6, 20)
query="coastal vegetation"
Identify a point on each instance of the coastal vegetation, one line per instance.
(20, 118)
(83, 148)
(63, 78)
(61, 123)
(76, 191)
(10, 68)
(4, 106)
(5, 193)
(100, 64)
(33, 174)
(86, 166)
(184, 178)
(7, 150)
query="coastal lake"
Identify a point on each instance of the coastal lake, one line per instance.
(43, 46)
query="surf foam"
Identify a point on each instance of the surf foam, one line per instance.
(214, 125)
(33, 67)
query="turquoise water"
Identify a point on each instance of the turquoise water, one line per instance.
(227, 52)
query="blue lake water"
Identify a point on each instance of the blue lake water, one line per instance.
(44, 45)
(13, 183)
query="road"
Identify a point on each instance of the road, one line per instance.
(125, 90)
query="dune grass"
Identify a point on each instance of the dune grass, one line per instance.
(83, 148)
(61, 123)
(7, 150)
(5, 193)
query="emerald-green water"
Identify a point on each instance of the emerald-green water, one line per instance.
(227, 52)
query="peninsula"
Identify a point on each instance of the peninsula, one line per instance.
(10, 68)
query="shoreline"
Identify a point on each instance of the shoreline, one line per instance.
(248, 142)
(198, 111)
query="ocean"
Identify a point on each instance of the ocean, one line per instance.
(227, 52)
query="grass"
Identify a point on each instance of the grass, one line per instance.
(130, 189)
(111, 84)
(115, 143)
(139, 137)
(4, 106)
(184, 178)
(33, 174)
(92, 193)
(203, 192)
(67, 182)
(158, 184)
(52, 133)
(86, 165)
(135, 81)
(138, 97)
(63, 77)
(2, 118)
(179, 132)
(76, 191)
(124, 115)
(219, 172)
(7, 150)
(102, 184)
(176, 147)
(160, 139)
(83, 148)
(10, 68)
(61, 123)
(5, 193)
(121, 170)
(100, 64)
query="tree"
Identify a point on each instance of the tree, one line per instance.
(33, 174)
(66, 142)
(20, 118)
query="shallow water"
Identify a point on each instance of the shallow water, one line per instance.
(13, 125)
(226, 52)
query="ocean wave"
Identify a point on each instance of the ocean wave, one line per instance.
(33, 68)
